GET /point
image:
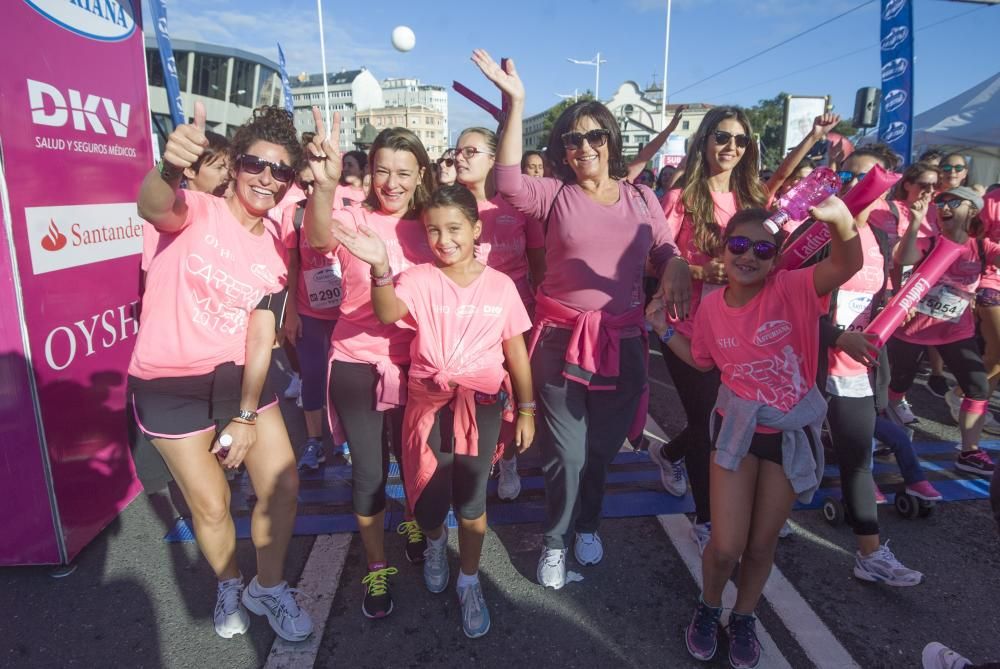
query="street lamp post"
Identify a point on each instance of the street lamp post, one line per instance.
(666, 56)
(575, 95)
(596, 62)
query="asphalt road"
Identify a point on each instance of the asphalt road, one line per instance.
(135, 601)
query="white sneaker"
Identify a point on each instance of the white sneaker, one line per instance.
(881, 566)
(551, 571)
(673, 476)
(509, 486)
(287, 620)
(903, 412)
(700, 534)
(294, 388)
(230, 616)
(939, 656)
(588, 548)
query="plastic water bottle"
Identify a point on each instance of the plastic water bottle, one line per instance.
(794, 205)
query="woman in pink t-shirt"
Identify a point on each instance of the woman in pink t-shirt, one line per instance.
(721, 178)
(589, 349)
(988, 298)
(197, 373)
(944, 319)
(468, 319)
(510, 242)
(762, 333)
(368, 357)
(352, 180)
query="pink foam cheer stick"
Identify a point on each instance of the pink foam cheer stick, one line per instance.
(817, 235)
(941, 257)
(477, 100)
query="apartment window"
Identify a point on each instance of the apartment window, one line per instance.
(154, 67)
(269, 87)
(241, 90)
(685, 125)
(210, 76)
(642, 139)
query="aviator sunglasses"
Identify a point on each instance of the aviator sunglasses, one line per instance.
(255, 165)
(596, 139)
(952, 168)
(722, 138)
(762, 249)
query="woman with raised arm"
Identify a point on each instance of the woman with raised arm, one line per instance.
(589, 352)
(197, 374)
(369, 358)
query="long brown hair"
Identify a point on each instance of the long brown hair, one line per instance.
(744, 181)
(401, 139)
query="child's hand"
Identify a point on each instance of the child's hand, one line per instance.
(832, 210)
(657, 316)
(524, 432)
(364, 245)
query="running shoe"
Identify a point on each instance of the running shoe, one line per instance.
(954, 403)
(509, 486)
(436, 573)
(475, 615)
(416, 542)
(378, 599)
(939, 656)
(881, 566)
(312, 456)
(938, 385)
(672, 474)
(588, 548)
(902, 412)
(975, 462)
(551, 571)
(744, 648)
(287, 620)
(880, 497)
(230, 616)
(700, 534)
(702, 636)
(924, 490)
(294, 388)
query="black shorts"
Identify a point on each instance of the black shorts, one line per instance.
(764, 446)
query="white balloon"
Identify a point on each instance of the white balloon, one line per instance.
(403, 38)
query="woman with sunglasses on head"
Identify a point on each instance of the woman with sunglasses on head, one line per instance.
(762, 332)
(445, 168)
(589, 353)
(368, 358)
(197, 374)
(510, 242)
(720, 179)
(943, 319)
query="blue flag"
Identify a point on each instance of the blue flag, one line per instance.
(170, 80)
(896, 118)
(286, 89)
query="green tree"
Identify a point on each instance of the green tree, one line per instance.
(553, 114)
(767, 118)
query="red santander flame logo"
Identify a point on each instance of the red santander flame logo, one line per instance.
(54, 240)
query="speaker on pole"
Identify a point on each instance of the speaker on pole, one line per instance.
(866, 104)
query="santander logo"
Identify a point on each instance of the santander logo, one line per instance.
(771, 332)
(54, 240)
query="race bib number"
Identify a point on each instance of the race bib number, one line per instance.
(854, 310)
(944, 303)
(324, 287)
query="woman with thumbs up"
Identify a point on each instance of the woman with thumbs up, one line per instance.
(197, 374)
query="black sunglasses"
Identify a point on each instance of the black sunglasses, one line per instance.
(596, 139)
(255, 165)
(953, 168)
(304, 184)
(722, 138)
(952, 203)
(447, 162)
(764, 250)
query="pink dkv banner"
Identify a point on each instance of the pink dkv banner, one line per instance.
(74, 122)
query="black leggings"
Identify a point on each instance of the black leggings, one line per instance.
(370, 433)
(852, 428)
(698, 392)
(459, 480)
(961, 357)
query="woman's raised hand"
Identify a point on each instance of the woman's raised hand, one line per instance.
(324, 155)
(187, 142)
(505, 79)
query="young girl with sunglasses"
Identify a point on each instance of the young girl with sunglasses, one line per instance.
(445, 168)
(510, 242)
(721, 178)
(954, 171)
(197, 374)
(943, 319)
(468, 319)
(762, 332)
(367, 380)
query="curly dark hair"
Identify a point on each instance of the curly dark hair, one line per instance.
(596, 111)
(269, 124)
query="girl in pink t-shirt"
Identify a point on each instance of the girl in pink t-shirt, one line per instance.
(468, 319)
(988, 297)
(510, 242)
(762, 332)
(198, 370)
(367, 379)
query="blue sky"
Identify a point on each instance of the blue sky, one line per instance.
(955, 53)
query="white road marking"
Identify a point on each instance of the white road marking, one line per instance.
(677, 528)
(319, 580)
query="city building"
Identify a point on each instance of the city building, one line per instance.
(349, 91)
(426, 123)
(410, 92)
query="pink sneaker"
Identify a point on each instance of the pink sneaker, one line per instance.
(925, 491)
(880, 496)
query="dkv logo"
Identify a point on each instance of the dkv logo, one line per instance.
(101, 20)
(49, 108)
(54, 240)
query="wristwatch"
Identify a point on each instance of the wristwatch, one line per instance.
(169, 171)
(249, 416)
